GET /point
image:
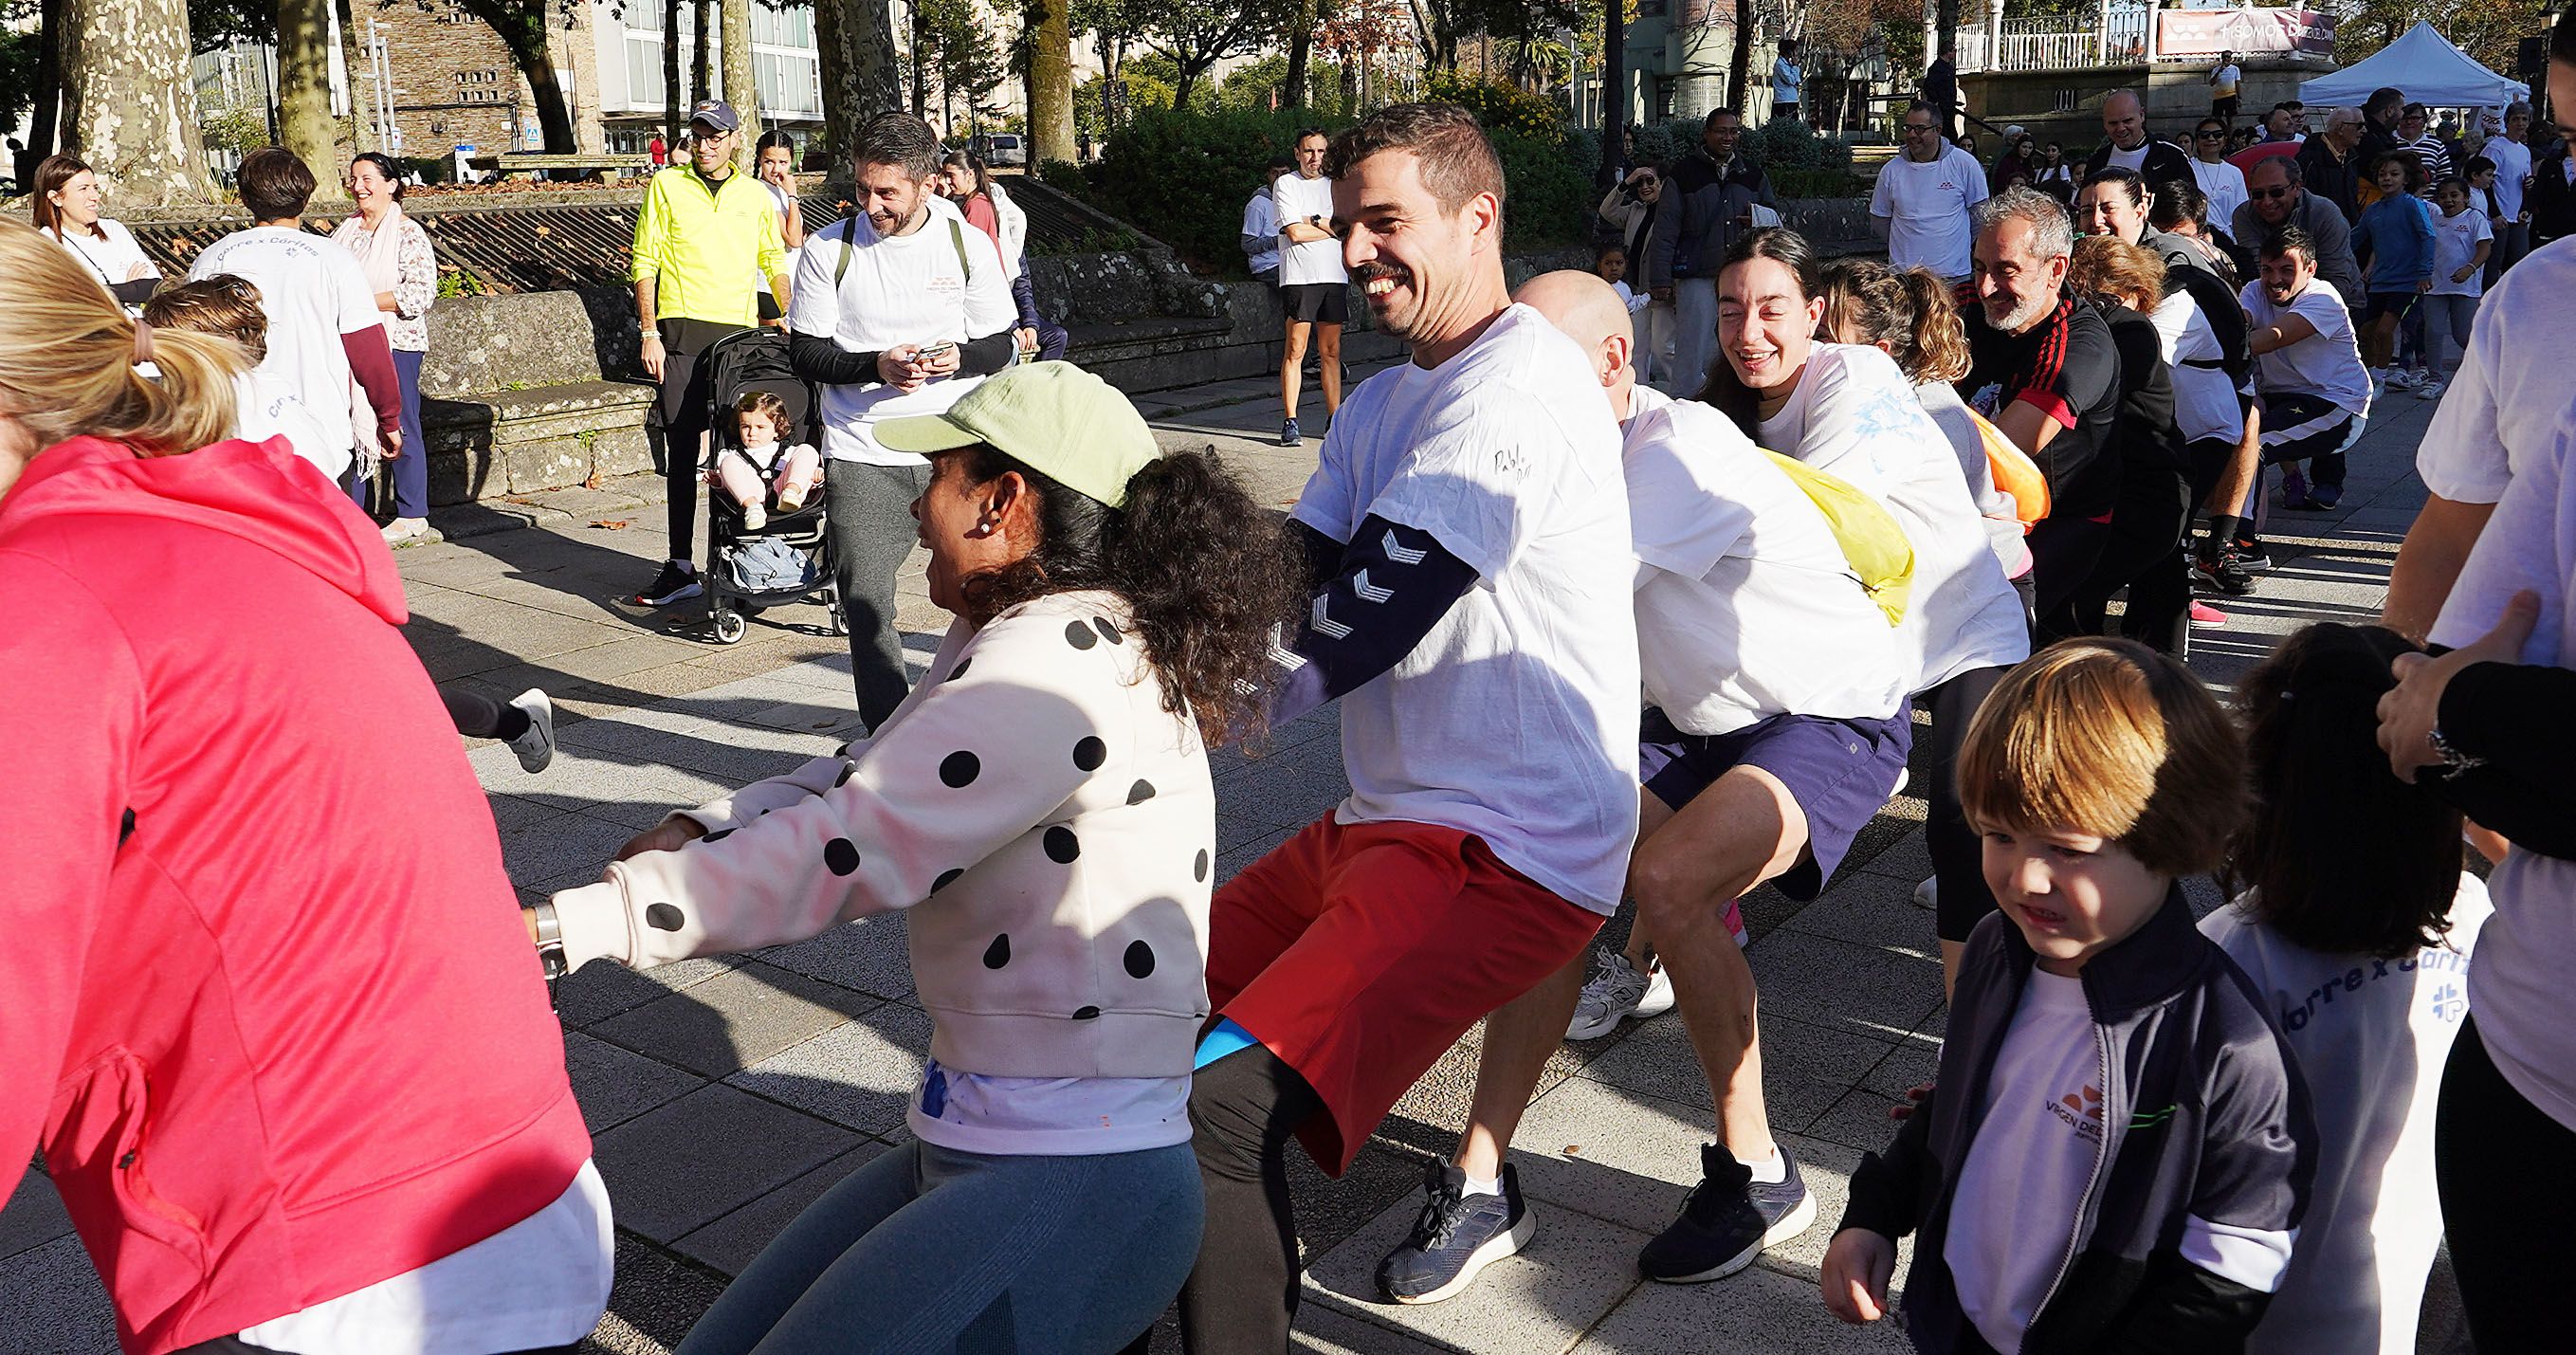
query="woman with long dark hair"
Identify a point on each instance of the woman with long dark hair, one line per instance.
(1848, 410)
(402, 271)
(1040, 807)
(66, 205)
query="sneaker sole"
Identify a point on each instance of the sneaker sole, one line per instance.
(1791, 1224)
(688, 594)
(1495, 1249)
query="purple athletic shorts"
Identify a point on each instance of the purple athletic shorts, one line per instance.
(1841, 773)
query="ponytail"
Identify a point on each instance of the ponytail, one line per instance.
(1205, 571)
(68, 365)
(1909, 312)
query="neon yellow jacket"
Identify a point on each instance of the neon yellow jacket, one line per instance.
(700, 242)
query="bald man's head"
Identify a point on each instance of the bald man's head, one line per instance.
(2124, 120)
(1585, 310)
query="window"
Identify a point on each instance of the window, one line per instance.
(643, 71)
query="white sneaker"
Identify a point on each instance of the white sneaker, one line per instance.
(1615, 992)
(2430, 390)
(1928, 893)
(401, 530)
(2400, 379)
(754, 517)
(536, 747)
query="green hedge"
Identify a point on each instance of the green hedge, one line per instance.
(1183, 177)
(1801, 163)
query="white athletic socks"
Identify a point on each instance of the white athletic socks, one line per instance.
(1771, 1170)
(1487, 1186)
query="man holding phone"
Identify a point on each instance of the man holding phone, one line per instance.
(899, 308)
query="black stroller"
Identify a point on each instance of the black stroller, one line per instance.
(789, 559)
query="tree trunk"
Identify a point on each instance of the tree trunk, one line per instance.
(1739, 79)
(860, 77)
(303, 87)
(1614, 91)
(1184, 83)
(522, 29)
(120, 110)
(1051, 82)
(671, 105)
(1301, 43)
(741, 86)
(920, 63)
(1946, 42)
(47, 107)
(701, 55)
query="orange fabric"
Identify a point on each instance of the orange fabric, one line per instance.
(2014, 472)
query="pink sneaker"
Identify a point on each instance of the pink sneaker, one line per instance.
(2202, 614)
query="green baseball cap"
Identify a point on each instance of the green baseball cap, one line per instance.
(1052, 417)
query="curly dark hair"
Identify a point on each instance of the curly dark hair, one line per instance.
(1206, 572)
(2343, 858)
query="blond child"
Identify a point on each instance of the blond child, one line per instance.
(2118, 1148)
(761, 465)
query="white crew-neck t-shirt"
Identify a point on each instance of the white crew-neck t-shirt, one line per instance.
(2224, 185)
(2205, 403)
(1515, 719)
(108, 259)
(1926, 204)
(2509, 396)
(312, 291)
(944, 281)
(2371, 1036)
(264, 408)
(2455, 243)
(2021, 1188)
(2326, 364)
(1746, 605)
(1295, 198)
(1855, 416)
(2513, 165)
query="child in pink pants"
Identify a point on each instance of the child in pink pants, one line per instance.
(750, 472)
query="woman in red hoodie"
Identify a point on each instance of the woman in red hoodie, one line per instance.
(269, 1010)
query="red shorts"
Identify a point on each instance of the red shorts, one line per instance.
(1360, 953)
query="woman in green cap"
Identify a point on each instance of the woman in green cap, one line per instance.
(1042, 807)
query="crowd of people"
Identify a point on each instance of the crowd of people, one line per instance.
(314, 1101)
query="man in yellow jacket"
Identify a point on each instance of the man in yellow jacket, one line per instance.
(703, 232)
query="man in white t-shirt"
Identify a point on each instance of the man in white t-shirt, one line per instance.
(1920, 207)
(1314, 289)
(1777, 727)
(1261, 226)
(897, 309)
(2222, 88)
(2126, 142)
(2511, 153)
(1466, 532)
(323, 326)
(2308, 375)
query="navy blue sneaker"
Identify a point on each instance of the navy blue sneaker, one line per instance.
(1727, 1221)
(1289, 435)
(2324, 496)
(1458, 1235)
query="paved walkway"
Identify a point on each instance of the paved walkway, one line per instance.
(725, 1094)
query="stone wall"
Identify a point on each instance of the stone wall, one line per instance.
(2066, 106)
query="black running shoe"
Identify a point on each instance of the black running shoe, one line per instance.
(676, 583)
(1727, 1221)
(1458, 1235)
(2223, 573)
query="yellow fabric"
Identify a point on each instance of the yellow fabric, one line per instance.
(1872, 540)
(700, 241)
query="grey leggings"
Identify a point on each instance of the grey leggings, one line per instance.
(928, 1249)
(872, 535)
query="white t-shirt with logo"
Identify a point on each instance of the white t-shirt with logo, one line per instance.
(2222, 82)
(1855, 416)
(943, 282)
(2021, 1189)
(264, 407)
(2224, 185)
(2371, 1036)
(2513, 165)
(1294, 197)
(1926, 204)
(312, 291)
(2455, 243)
(1746, 606)
(1515, 719)
(2326, 364)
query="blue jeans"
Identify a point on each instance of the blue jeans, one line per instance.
(409, 472)
(933, 1250)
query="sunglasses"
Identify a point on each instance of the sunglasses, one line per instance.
(2207, 134)
(1912, 127)
(2266, 194)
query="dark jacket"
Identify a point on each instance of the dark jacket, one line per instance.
(2214, 291)
(2518, 787)
(2165, 163)
(1701, 213)
(2205, 1119)
(2337, 181)
(2551, 202)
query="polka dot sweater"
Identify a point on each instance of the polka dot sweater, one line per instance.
(1050, 824)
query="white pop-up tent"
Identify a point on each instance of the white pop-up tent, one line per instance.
(2425, 65)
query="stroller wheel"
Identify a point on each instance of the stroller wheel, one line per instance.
(840, 620)
(729, 627)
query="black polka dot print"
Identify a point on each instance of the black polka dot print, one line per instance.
(1090, 753)
(1140, 959)
(1079, 635)
(1061, 845)
(842, 855)
(1198, 871)
(1107, 632)
(664, 917)
(1087, 1014)
(847, 771)
(960, 670)
(998, 954)
(718, 835)
(1140, 792)
(958, 770)
(944, 877)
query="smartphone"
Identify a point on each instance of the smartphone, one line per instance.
(934, 350)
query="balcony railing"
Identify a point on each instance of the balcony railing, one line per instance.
(2057, 43)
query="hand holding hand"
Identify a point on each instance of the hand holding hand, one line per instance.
(671, 836)
(2409, 711)
(1854, 1277)
(2423, 285)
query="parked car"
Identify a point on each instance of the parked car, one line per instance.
(1002, 148)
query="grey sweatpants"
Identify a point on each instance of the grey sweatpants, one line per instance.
(872, 535)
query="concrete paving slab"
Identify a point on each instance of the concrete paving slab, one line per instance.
(1873, 910)
(733, 1020)
(1837, 983)
(1806, 1066)
(869, 955)
(32, 1217)
(681, 1166)
(602, 989)
(860, 1073)
(56, 1304)
(615, 1085)
(730, 1243)
(1541, 1300)
(1759, 1312)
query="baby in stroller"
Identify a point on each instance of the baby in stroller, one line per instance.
(760, 471)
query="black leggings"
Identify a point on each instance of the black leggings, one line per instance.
(2508, 1179)
(1958, 858)
(480, 717)
(1242, 1296)
(2063, 551)
(2141, 552)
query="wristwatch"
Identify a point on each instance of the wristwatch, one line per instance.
(550, 945)
(651, 333)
